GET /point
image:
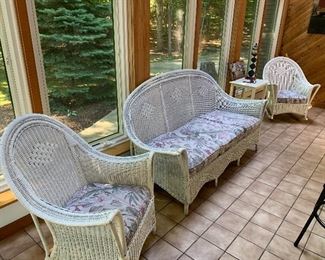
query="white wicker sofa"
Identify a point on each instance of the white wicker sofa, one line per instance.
(194, 128)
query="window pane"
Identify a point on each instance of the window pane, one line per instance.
(166, 35)
(211, 32)
(6, 108)
(267, 36)
(77, 39)
(249, 27)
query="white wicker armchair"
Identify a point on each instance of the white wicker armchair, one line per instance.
(45, 163)
(167, 102)
(290, 91)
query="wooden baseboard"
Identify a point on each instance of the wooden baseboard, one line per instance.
(15, 227)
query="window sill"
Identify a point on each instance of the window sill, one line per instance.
(6, 198)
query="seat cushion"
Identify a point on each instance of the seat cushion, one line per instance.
(132, 201)
(207, 136)
(291, 97)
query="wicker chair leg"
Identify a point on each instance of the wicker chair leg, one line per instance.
(238, 162)
(216, 182)
(186, 208)
(154, 229)
(256, 148)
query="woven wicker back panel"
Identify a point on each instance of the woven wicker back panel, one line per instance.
(147, 114)
(168, 101)
(281, 71)
(177, 100)
(44, 159)
(204, 94)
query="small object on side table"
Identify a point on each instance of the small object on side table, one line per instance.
(252, 72)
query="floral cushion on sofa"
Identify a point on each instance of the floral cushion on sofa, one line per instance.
(132, 201)
(291, 96)
(206, 136)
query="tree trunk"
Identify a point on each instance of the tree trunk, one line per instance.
(170, 24)
(159, 11)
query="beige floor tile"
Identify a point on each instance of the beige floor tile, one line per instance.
(318, 229)
(315, 186)
(226, 256)
(162, 251)
(257, 165)
(269, 179)
(231, 189)
(241, 180)
(275, 208)
(34, 252)
(15, 244)
(174, 211)
(261, 188)
(304, 206)
(266, 220)
(307, 255)
(268, 256)
(203, 250)
(219, 236)
(283, 248)
(297, 217)
(231, 222)
(252, 198)
(291, 232)
(31, 230)
(161, 200)
(150, 241)
(244, 250)
(209, 210)
(310, 195)
(181, 238)
(164, 224)
(283, 197)
(185, 257)
(316, 244)
(296, 179)
(221, 199)
(256, 235)
(249, 172)
(242, 209)
(289, 187)
(196, 223)
(319, 175)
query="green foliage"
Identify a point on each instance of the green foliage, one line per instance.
(77, 39)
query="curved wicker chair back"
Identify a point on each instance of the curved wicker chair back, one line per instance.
(281, 72)
(168, 101)
(41, 162)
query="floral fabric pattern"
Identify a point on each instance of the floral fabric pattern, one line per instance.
(291, 96)
(207, 136)
(132, 201)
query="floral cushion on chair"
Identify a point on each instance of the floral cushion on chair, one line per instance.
(206, 136)
(132, 201)
(291, 97)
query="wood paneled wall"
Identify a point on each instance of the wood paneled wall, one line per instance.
(308, 50)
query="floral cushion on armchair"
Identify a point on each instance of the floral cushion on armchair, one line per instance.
(206, 136)
(291, 96)
(132, 201)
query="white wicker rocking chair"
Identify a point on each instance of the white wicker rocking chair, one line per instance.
(290, 91)
(45, 163)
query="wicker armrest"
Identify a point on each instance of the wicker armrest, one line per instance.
(102, 168)
(249, 107)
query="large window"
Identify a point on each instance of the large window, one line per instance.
(77, 41)
(249, 29)
(211, 35)
(167, 19)
(268, 33)
(6, 107)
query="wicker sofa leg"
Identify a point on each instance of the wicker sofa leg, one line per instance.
(238, 162)
(186, 208)
(216, 182)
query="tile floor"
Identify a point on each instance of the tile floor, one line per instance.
(256, 212)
